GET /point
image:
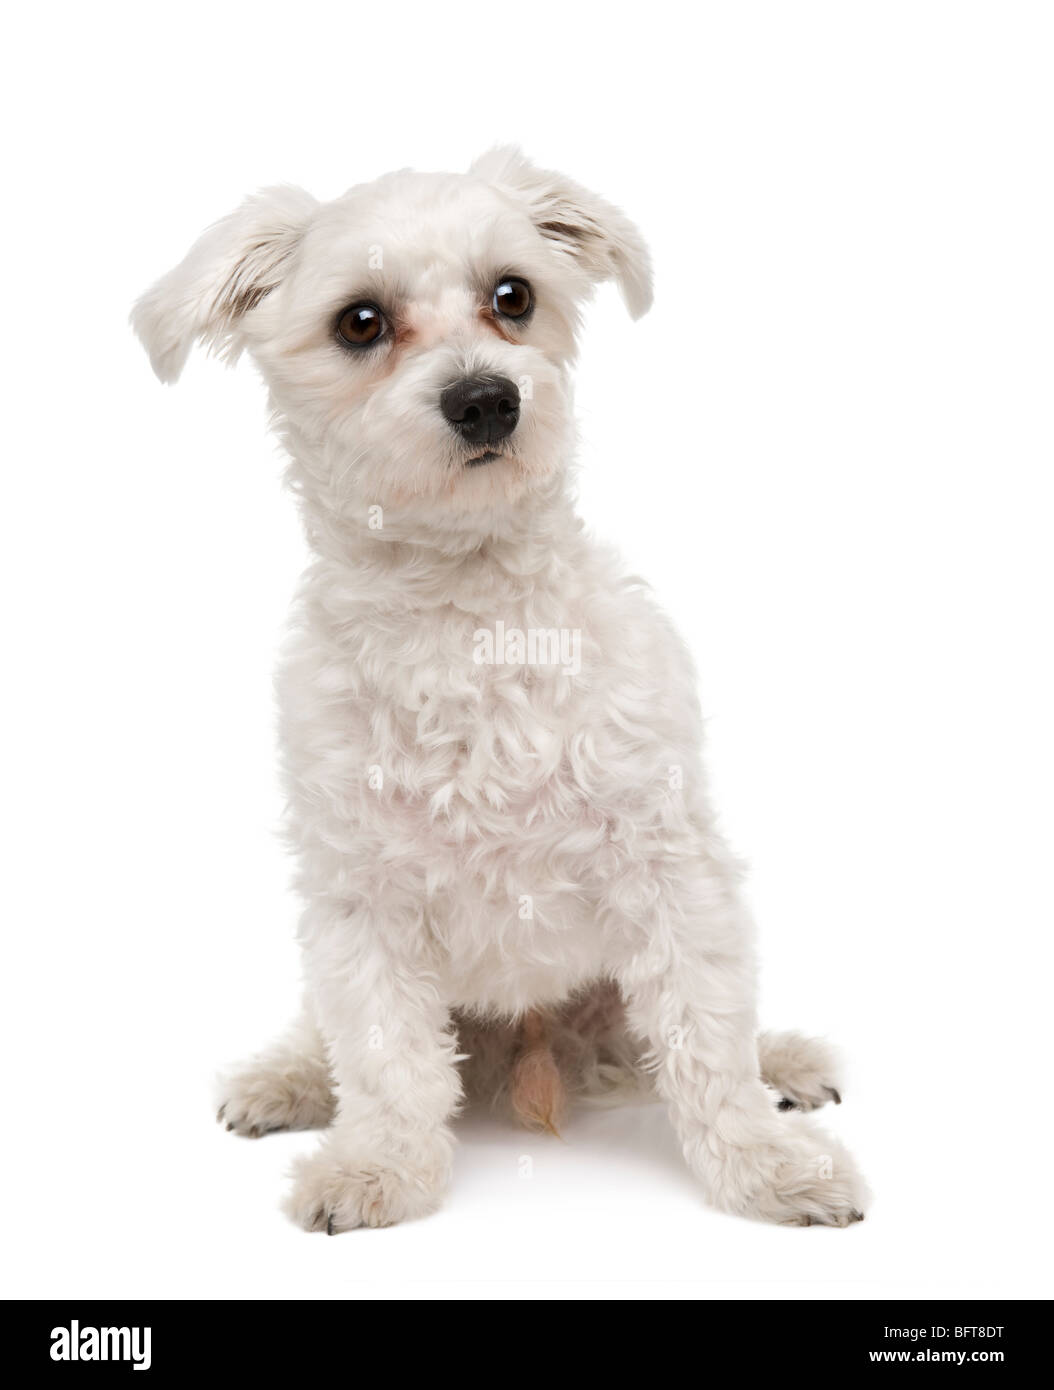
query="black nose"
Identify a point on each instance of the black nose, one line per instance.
(482, 409)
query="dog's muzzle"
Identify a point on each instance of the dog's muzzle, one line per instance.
(482, 409)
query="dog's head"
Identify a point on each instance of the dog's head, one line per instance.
(415, 334)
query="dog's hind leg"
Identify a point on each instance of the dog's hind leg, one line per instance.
(804, 1071)
(287, 1086)
(600, 1059)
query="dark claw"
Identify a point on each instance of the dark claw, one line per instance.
(856, 1216)
(219, 1112)
(230, 1126)
(329, 1227)
(786, 1104)
(833, 1094)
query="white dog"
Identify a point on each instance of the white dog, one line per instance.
(512, 878)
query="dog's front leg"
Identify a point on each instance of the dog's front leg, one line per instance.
(392, 1055)
(690, 994)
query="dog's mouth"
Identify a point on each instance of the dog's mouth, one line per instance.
(488, 456)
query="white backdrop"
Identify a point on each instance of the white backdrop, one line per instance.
(846, 508)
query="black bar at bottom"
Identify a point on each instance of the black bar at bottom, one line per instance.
(167, 1341)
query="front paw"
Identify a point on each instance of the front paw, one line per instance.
(809, 1181)
(340, 1187)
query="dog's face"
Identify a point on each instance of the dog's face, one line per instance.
(415, 334)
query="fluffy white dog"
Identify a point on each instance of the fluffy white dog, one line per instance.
(512, 877)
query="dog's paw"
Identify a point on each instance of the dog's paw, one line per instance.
(263, 1097)
(808, 1181)
(803, 1071)
(338, 1190)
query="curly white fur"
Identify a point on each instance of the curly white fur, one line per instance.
(480, 842)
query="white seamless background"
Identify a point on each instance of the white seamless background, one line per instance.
(828, 448)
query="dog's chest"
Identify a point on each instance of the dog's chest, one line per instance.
(466, 711)
(483, 754)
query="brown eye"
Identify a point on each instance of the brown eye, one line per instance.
(361, 325)
(513, 299)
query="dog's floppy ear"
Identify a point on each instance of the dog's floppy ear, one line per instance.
(592, 232)
(234, 264)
